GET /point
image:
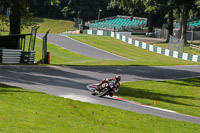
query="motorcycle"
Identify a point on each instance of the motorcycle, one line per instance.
(106, 89)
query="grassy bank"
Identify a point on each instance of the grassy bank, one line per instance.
(182, 95)
(60, 56)
(29, 111)
(55, 26)
(139, 55)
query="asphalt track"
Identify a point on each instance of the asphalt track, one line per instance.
(71, 81)
(80, 48)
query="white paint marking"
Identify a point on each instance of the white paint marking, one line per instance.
(167, 52)
(89, 32)
(112, 34)
(144, 45)
(91, 87)
(136, 43)
(159, 49)
(130, 40)
(123, 38)
(100, 32)
(79, 98)
(185, 56)
(195, 58)
(175, 54)
(151, 48)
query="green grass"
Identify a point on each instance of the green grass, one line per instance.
(55, 26)
(141, 56)
(29, 111)
(182, 95)
(186, 47)
(60, 56)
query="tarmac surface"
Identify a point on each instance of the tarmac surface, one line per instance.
(71, 81)
(80, 48)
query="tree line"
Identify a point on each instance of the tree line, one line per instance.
(155, 10)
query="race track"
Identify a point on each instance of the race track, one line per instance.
(70, 82)
(80, 48)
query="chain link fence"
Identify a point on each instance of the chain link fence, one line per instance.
(176, 44)
(163, 33)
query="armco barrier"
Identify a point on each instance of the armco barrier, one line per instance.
(16, 56)
(159, 50)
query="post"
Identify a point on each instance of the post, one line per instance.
(99, 14)
(45, 54)
(192, 35)
(48, 58)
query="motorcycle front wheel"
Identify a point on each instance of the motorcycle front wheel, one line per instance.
(103, 92)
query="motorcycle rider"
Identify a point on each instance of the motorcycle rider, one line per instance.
(115, 88)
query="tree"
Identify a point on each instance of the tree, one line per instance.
(186, 6)
(18, 9)
(198, 3)
(85, 9)
(50, 8)
(138, 8)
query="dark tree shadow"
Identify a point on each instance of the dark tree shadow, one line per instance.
(5, 89)
(186, 82)
(146, 94)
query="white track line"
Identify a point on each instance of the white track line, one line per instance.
(92, 86)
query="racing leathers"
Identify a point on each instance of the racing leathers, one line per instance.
(115, 88)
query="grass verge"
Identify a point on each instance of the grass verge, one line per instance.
(181, 95)
(141, 56)
(55, 25)
(186, 47)
(29, 111)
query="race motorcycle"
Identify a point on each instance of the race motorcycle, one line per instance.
(106, 89)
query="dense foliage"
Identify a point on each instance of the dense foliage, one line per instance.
(155, 10)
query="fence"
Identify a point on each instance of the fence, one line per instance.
(176, 44)
(163, 33)
(32, 38)
(195, 47)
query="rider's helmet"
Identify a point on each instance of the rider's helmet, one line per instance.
(118, 78)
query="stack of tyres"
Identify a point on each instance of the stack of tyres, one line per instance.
(27, 57)
(10, 56)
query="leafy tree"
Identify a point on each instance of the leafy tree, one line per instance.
(138, 8)
(186, 6)
(86, 9)
(198, 3)
(45, 8)
(18, 9)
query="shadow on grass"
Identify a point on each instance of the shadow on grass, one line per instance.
(145, 94)
(5, 89)
(195, 82)
(36, 21)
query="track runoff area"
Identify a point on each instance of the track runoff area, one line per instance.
(91, 87)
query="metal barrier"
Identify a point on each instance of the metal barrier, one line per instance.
(192, 46)
(32, 38)
(44, 49)
(27, 57)
(10, 56)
